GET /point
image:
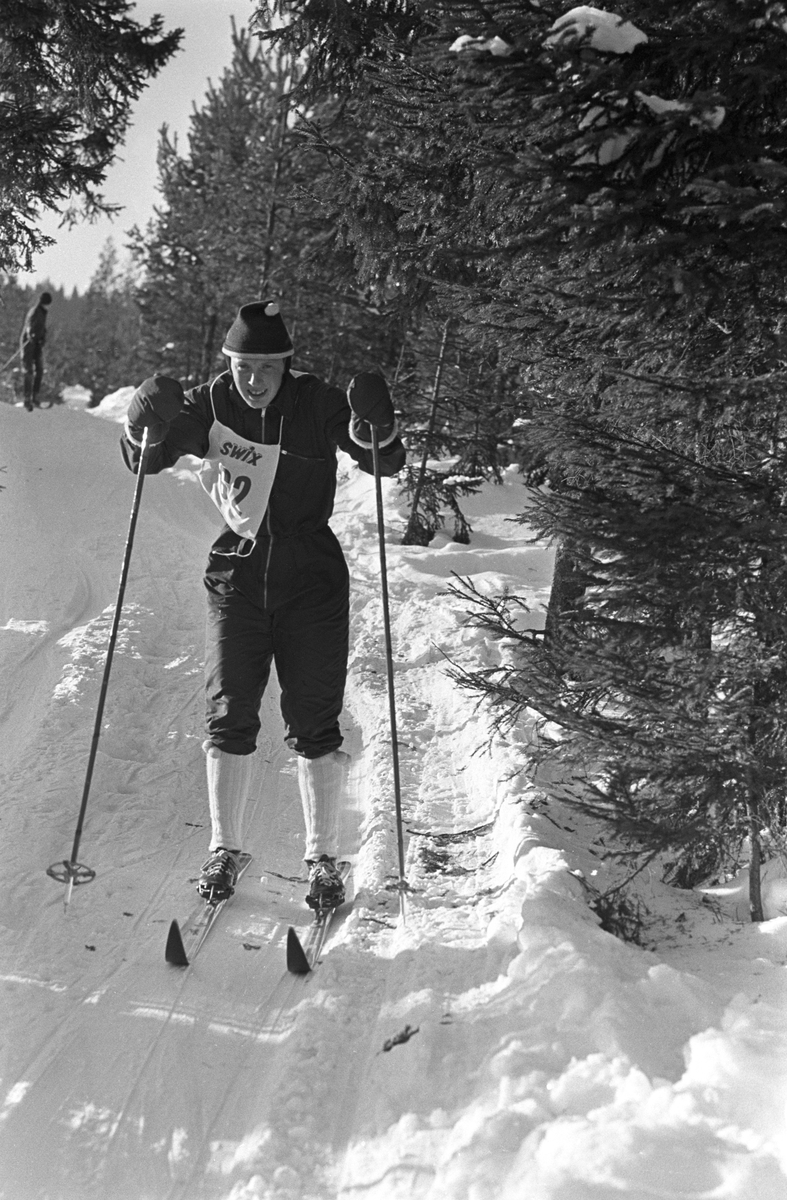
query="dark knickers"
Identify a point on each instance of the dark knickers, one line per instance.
(294, 611)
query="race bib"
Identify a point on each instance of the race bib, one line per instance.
(238, 476)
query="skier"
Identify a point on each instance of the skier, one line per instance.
(277, 582)
(31, 349)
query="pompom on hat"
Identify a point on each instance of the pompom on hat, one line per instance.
(258, 331)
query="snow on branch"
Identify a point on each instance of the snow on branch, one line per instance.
(602, 30)
(495, 45)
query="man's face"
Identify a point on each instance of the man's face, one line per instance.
(258, 380)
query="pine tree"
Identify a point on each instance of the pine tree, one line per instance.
(209, 246)
(455, 408)
(104, 349)
(68, 76)
(665, 691)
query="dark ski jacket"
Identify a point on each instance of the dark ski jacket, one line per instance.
(314, 420)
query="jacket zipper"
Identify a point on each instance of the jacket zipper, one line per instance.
(270, 537)
(267, 561)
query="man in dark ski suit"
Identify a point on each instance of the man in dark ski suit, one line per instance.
(31, 349)
(276, 579)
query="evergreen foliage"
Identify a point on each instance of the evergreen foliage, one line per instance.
(104, 349)
(386, 185)
(337, 39)
(664, 693)
(69, 72)
(240, 218)
(604, 205)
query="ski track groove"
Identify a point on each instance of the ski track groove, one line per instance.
(163, 1030)
(279, 1002)
(176, 1007)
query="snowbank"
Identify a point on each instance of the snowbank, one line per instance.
(114, 406)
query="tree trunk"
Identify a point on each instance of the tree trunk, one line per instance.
(412, 537)
(568, 586)
(753, 806)
(755, 881)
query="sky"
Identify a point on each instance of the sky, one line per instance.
(206, 49)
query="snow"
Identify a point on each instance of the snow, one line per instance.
(495, 45)
(604, 31)
(710, 117)
(76, 396)
(114, 406)
(496, 1044)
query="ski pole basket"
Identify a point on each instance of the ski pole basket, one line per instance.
(71, 872)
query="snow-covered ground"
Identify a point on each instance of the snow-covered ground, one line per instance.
(497, 1045)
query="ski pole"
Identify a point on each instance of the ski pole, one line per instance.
(11, 359)
(70, 871)
(389, 665)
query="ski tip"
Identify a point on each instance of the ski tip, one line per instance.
(297, 962)
(175, 952)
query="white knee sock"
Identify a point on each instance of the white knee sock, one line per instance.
(321, 782)
(229, 776)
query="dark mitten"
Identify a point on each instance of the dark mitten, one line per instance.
(370, 399)
(154, 405)
(371, 404)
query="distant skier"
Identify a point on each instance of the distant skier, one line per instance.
(277, 581)
(31, 348)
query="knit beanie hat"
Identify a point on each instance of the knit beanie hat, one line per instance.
(46, 298)
(258, 331)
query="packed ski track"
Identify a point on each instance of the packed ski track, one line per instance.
(494, 1044)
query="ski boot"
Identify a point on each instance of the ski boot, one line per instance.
(219, 875)
(326, 886)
